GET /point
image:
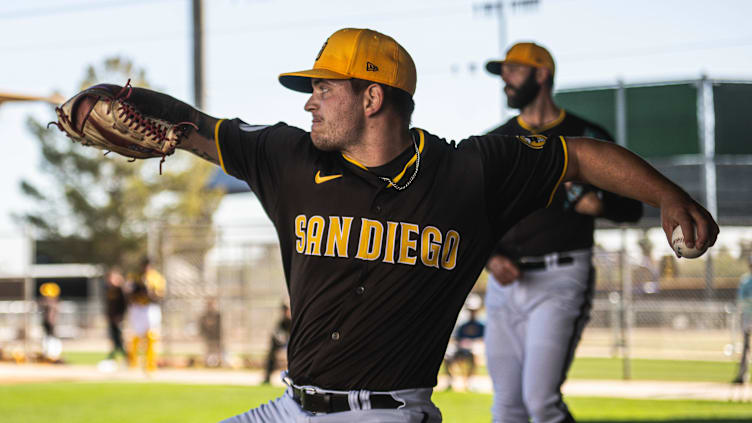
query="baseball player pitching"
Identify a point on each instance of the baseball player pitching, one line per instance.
(541, 280)
(383, 228)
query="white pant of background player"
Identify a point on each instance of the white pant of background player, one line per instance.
(533, 327)
(417, 408)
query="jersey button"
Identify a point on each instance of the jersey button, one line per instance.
(360, 290)
(335, 336)
(377, 209)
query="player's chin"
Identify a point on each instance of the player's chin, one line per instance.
(322, 142)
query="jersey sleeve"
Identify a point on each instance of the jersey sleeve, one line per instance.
(258, 154)
(521, 173)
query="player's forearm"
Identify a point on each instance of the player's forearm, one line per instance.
(616, 169)
(199, 141)
(200, 145)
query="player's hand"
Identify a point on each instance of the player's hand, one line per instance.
(683, 211)
(504, 270)
(589, 204)
(582, 199)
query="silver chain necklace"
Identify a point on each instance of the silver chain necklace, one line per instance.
(415, 172)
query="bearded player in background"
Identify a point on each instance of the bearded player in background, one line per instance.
(540, 291)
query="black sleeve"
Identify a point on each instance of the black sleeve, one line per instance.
(520, 174)
(620, 209)
(259, 154)
(615, 207)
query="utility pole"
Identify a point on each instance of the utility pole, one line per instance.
(498, 8)
(198, 54)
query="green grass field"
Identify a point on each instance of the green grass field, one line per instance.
(642, 369)
(584, 368)
(153, 402)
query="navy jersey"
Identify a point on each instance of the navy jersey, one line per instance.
(376, 275)
(559, 228)
(472, 329)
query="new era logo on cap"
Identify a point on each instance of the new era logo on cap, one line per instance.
(370, 67)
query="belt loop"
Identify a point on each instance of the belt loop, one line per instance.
(365, 399)
(352, 400)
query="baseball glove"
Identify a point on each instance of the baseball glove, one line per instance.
(102, 117)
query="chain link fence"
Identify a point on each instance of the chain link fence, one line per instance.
(671, 309)
(645, 305)
(238, 267)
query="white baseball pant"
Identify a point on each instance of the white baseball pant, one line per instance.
(533, 327)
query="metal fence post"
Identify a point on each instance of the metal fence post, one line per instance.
(627, 320)
(706, 136)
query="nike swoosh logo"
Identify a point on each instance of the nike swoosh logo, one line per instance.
(321, 179)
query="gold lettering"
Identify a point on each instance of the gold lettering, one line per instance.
(430, 246)
(300, 224)
(338, 236)
(391, 236)
(369, 246)
(449, 254)
(407, 244)
(315, 233)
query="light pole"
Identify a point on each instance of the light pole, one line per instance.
(498, 8)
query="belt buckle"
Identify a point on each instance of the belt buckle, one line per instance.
(306, 395)
(525, 260)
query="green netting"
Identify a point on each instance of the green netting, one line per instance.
(733, 126)
(662, 120)
(594, 105)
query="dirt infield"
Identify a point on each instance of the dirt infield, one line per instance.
(38, 373)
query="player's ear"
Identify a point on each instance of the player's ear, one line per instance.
(542, 75)
(373, 99)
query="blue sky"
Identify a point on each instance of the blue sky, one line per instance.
(46, 45)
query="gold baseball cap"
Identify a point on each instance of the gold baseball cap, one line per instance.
(49, 289)
(358, 53)
(529, 54)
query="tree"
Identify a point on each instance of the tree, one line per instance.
(98, 209)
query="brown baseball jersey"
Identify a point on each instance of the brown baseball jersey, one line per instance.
(376, 275)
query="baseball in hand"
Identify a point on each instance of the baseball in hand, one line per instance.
(677, 243)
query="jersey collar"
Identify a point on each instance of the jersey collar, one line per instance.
(399, 175)
(537, 130)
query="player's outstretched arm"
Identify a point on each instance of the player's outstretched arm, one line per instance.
(199, 140)
(616, 169)
(136, 122)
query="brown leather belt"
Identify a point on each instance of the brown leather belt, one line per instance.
(332, 403)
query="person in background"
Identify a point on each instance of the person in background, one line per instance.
(145, 314)
(210, 324)
(465, 337)
(116, 306)
(541, 282)
(278, 341)
(52, 348)
(744, 301)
